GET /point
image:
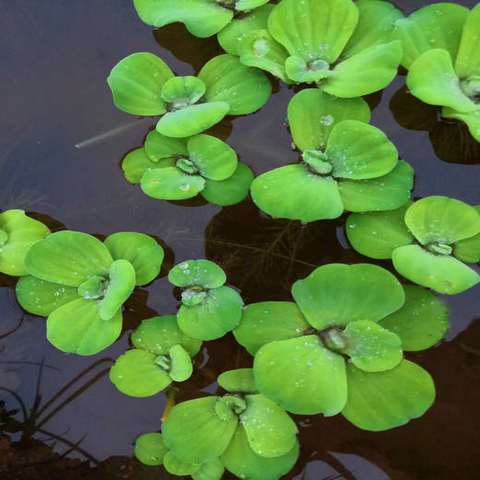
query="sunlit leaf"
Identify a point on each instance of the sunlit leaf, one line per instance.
(246, 5)
(175, 466)
(210, 470)
(240, 380)
(468, 60)
(468, 250)
(159, 147)
(150, 449)
(197, 272)
(136, 163)
(181, 365)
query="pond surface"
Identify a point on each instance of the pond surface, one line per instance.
(56, 163)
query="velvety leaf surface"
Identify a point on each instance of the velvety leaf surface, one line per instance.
(245, 89)
(421, 322)
(265, 322)
(159, 147)
(468, 250)
(76, 327)
(385, 400)
(246, 5)
(136, 163)
(211, 470)
(136, 83)
(442, 273)
(239, 380)
(295, 193)
(68, 258)
(175, 466)
(142, 251)
(468, 60)
(181, 365)
(197, 272)
(312, 114)
(194, 431)
(150, 449)
(338, 294)
(302, 376)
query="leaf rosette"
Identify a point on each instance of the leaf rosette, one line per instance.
(81, 283)
(349, 324)
(430, 241)
(209, 308)
(179, 169)
(441, 55)
(347, 164)
(143, 84)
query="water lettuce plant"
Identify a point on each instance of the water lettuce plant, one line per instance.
(143, 84)
(81, 283)
(161, 355)
(242, 430)
(209, 309)
(346, 164)
(18, 232)
(344, 48)
(441, 54)
(429, 241)
(178, 169)
(339, 347)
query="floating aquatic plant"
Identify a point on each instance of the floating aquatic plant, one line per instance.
(347, 164)
(178, 169)
(441, 54)
(143, 84)
(81, 283)
(356, 312)
(429, 241)
(346, 49)
(209, 308)
(161, 355)
(18, 232)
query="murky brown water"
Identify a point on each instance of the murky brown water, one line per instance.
(55, 55)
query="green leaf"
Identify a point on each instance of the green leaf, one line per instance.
(215, 159)
(270, 431)
(388, 192)
(236, 381)
(442, 273)
(175, 466)
(219, 313)
(142, 251)
(468, 60)
(375, 26)
(442, 220)
(265, 322)
(468, 250)
(366, 72)
(159, 147)
(170, 183)
(314, 30)
(471, 119)
(312, 114)
(295, 193)
(433, 80)
(302, 376)
(422, 321)
(211, 470)
(136, 163)
(68, 258)
(202, 18)
(120, 287)
(433, 26)
(360, 151)
(136, 83)
(77, 327)
(245, 89)
(181, 365)
(197, 272)
(195, 433)
(158, 334)
(183, 91)
(150, 449)
(232, 190)
(246, 5)
(302, 71)
(136, 374)
(231, 37)
(193, 119)
(18, 233)
(371, 347)
(337, 294)
(42, 298)
(243, 462)
(378, 234)
(385, 400)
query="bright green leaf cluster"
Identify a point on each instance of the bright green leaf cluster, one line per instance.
(428, 241)
(339, 347)
(178, 169)
(143, 84)
(81, 283)
(440, 43)
(347, 164)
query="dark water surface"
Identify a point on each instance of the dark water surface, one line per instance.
(55, 55)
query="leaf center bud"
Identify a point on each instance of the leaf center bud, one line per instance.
(194, 295)
(317, 162)
(439, 248)
(333, 339)
(187, 166)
